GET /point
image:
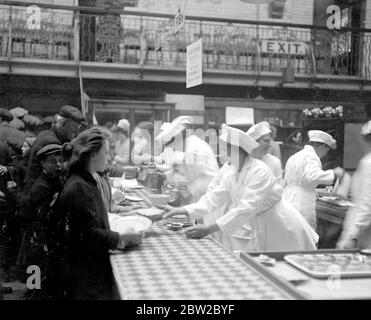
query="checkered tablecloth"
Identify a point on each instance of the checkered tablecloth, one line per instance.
(168, 266)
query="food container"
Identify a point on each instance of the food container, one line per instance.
(159, 199)
(131, 172)
(175, 226)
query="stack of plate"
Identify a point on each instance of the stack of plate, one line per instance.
(123, 224)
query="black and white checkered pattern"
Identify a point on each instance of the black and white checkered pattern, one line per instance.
(172, 267)
(168, 266)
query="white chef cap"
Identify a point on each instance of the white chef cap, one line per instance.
(124, 124)
(259, 130)
(238, 138)
(165, 126)
(323, 137)
(174, 128)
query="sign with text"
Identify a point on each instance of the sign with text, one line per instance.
(239, 116)
(283, 47)
(179, 20)
(194, 64)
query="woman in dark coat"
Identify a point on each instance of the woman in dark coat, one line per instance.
(84, 236)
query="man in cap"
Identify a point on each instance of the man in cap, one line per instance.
(69, 121)
(6, 129)
(12, 175)
(262, 134)
(122, 148)
(193, 156)
(36, 242)
(304, 172)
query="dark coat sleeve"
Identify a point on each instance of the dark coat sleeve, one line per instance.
(83, 207)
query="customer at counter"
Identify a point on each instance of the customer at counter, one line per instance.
(84, 236)
(262, 134)
(357, 224)
(194, 157)
(254, 197)
(69, 122)
(304, 172)
(38, 238)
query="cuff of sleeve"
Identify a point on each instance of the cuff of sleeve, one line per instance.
(354, 233)
(224, 224)
(332, 172)
(114, 240)
(191, 211)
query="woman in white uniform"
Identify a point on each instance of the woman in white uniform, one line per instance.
(256, 219)
(357, 224)
(304, 173)
(193, 157)
(262, 134)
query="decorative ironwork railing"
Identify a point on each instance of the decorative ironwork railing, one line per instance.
(86, 34)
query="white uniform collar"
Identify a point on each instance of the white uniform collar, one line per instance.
(309, 147)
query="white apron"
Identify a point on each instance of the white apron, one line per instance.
(257, 219)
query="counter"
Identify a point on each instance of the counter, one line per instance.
(317, 289)
(330, 217)
(168, 266)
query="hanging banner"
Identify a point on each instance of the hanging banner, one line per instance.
(179, 20)
(194, 64)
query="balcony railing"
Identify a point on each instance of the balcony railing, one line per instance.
(83, 34)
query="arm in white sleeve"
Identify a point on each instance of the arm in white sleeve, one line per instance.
(277, 171)
(211, 201)
(254, 200)
(362, 210)
(313, 173)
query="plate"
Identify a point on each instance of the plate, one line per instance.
(133, 198)
(121, 224)
(150, 212)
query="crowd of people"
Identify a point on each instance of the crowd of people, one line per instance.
(55, 194)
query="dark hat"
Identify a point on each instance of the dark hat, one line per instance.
(16, 140)
(18, 112)
(17, 124)
(49, 119)
(32, 121)
(5, 114)
(49, 150)
(71, 112)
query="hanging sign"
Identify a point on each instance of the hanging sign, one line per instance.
(179, 20)
(194, 64)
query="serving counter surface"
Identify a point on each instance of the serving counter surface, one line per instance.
(167, 266)
(332, 288)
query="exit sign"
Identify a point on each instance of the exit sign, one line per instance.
(283, 47)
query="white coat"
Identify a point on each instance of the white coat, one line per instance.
(275, 165)
(212, 216)
(302, 175)
(199, 166)
(257, 219)
(357, 224)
